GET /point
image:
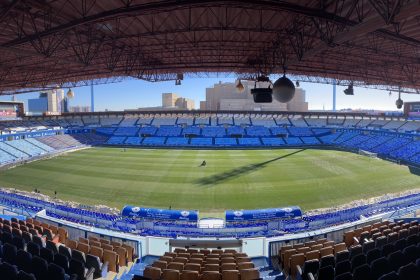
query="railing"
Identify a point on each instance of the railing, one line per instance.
(273, 228)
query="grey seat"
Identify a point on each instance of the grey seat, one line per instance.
(62, 261)
(24, 261)
(409, 272)
(56, 272)
(52, 246)
(380, 267)
(22, 275)
(79, 269)
(380, 242)
(373, 255)
(66, 251)
(389, 276)
(95, 263)
(362, 272)
(78, 256)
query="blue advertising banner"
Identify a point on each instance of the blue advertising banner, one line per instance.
(35, 134)
(160, 214)
(263, 214)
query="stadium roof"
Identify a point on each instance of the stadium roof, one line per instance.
(67, 42)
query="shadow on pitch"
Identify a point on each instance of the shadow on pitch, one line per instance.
(239, 171)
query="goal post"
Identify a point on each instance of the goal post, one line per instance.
(368, 154)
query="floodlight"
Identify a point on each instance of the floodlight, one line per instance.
(349, 90)
(240, 87)
(70, 93)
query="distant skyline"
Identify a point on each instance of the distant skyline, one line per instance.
(132, 94)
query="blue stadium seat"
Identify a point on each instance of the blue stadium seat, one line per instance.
(258, 131)
(201, 141)
(279, 130)
(6, 157)
(148, 130)
(133, 141)
(116, 140)
(249, 141)
(310, 140)
(26, 147)
(213, 131)
(105, 130)
(329, 139)
(293, 140)
(225, 142)
(169, 131)
(177, 141)
(126, 131)
(272, 141)
(300, 131)
(235, 130)
(191, 130)
(154, 141)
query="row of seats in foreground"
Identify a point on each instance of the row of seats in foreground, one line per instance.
(204, 265)
(20, 263)
(381, 232)
(399, 265)
(293, 255)
(360, 262)
(115, 253)
(103, 261)
(33, 230)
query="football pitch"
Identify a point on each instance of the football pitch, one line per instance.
(232, 179)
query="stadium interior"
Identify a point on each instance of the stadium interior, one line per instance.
(64, 44)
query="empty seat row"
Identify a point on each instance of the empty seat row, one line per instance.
(41, 266)
(374, 263)
(154, 273)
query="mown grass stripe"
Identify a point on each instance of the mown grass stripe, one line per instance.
(232, 179)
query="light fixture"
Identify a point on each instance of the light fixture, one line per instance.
(179, 78)
(399, 102)
(70, 93)
(240, 87)
(283, 89)
(349, 90)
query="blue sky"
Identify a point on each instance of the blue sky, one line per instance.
(131, 94)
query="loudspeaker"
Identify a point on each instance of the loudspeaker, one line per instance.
(262, 95)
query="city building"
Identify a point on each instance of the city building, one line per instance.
(169, 100)
(79, 109)
(224, 96)
(174, 101)
(52, 102)
(184, 103)
(203, 105)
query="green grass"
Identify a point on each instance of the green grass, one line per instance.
(232, 179)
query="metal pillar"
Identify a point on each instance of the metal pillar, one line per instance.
(92, 98)
(334, 96)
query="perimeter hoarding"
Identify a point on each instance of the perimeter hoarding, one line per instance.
(160, 214)
(263, 214)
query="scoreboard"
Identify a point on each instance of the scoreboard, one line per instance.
(10, 110)
(412, 110)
